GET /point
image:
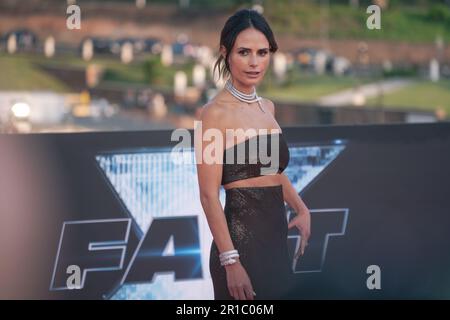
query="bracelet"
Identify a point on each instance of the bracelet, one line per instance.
(227, 253)
(227, 257)
(228, 262)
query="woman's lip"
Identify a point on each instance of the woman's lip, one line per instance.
(252, 72)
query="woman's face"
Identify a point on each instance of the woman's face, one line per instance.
(249, 58)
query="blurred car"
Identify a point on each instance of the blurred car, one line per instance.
(100, 45)
(321, 61)
(338, 65)
(304, 57)
(185, 50)
(152, 45)
(149, 45)
(178, 48)
(116, 45)
(26, 40)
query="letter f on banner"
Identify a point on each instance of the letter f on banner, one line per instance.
(91, 245)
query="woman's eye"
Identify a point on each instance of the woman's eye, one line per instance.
(245, 52)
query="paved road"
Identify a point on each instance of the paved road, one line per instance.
(371, 90)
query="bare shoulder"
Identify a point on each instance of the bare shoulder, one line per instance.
(269, 105)
(212, 114)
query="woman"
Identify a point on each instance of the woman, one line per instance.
(249, 256)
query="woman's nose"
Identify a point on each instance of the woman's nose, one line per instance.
(253, 60)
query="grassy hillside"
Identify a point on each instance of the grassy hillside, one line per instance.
(405, 23)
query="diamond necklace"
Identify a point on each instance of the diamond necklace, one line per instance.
(244, 97)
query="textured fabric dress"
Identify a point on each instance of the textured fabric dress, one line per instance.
(257, 221)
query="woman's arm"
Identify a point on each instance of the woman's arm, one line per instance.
(303, 219)
(209, 179)
(291, 196)
(289, 193)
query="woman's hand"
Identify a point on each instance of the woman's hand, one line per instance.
(303, 222)
(238, 282)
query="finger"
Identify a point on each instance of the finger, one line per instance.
(241, 293)
(291, 224)
(299, 250)
(236, 294)
(232, 293)
(303, 246)
(305, 243)
(249, 293)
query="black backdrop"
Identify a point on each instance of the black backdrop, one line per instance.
(393, 181)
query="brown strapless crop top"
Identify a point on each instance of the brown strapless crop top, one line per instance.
(252, 166)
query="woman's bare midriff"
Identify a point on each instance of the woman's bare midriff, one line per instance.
(261, 181)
